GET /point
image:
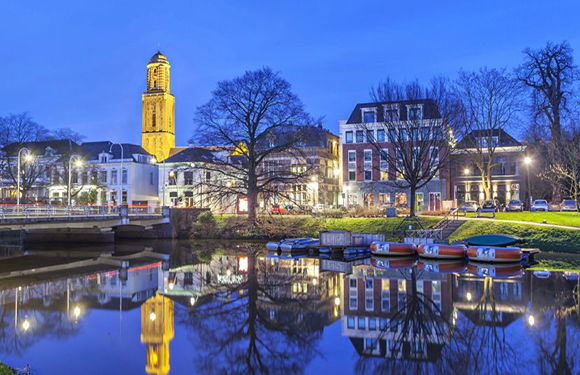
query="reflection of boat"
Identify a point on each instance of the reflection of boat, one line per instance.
(493, 240)
(393, 263)
(442, 266)
(495, 270)
(393, 248)
(494, 254)
(354, 251)
(441, 251)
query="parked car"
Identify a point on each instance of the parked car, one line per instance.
(540, 205)
(277, 209)
(568, 205)
(318, 208)
(555, 206)
(514, 205)
(488, 205)
(470, 206)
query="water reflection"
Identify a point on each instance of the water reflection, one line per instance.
(233, 308)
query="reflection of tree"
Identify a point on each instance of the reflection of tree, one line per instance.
(415, 335)
(557, 350)
(248, 327)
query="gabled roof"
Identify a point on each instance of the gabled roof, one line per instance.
(60, 147)
(504, 138)
(429, 109)
(309, 136)
(190, 155)
(91, 150)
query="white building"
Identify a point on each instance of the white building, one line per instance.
(110, 176)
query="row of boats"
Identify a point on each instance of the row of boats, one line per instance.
(486, 248)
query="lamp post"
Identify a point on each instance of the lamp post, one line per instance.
(173, 175)
(78, 164)
(110, 151)
(27, 158)
(314, 189)
(528, 161)
(154, 161)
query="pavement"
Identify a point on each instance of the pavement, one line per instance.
(489, 219)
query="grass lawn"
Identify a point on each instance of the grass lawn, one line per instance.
(547, 239)
(571, 219)
(280, 227)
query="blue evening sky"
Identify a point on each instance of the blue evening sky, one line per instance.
(81, 64)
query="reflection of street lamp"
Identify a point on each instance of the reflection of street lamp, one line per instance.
(528, 161)
(26, 325)
(468, 296)
(531, 320)
(152, 316)
(337, 301)
(28, 159)
(77, 312)
(78, 164)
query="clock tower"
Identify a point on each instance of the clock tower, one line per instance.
(158, 134)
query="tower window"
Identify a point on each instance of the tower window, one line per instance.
(154, 84)
(154, 118)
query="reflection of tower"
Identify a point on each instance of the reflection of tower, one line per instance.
(156, 332)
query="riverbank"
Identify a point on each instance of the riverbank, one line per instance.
(544, 238)
(280, 227)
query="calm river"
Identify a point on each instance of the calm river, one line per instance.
(232, 308)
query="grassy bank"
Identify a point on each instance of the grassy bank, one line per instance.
(280, 227)
(571, 219)
(547, 239)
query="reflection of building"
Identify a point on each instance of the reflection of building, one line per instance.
(492, 301)
(157, 330)
(378, 304)
(299, 280)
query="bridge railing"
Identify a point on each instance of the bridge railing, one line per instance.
(47, 211)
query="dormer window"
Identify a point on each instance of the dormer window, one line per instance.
(369, 115)
(415, 112)
(392, 113)
(104, 158)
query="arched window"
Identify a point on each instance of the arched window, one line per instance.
(154, 118)
(154, 84)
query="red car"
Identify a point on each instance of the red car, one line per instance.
(276, 209)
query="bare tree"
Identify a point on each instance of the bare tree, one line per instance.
(414, 146)
(239, 120)
(490, 100)
(550, 73)
(564, 170)
(68, 134)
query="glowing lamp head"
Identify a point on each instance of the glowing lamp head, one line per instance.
(466, 171)
(468, 296)
(153, 160)
(531, 320)
(28, 158)
(77, 312)
(527, 160)
(171, 174)
(79, 163)
(26, 325)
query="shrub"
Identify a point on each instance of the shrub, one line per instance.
(205, 226)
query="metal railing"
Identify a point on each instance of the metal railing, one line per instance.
(436, 231)
(54, 211)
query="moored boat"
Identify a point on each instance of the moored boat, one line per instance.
(493, 240)
(494, 254)
(393, 248)
(437, 251)
(299, 244)
(273, 246)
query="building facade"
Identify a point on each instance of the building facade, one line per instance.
(317, 154)
(508, 172)
(109, 177)
(158, 134)
(367, 179)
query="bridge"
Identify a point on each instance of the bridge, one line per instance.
(51, 223)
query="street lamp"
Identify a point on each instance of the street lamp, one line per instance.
(27, 158)
(78, 164)
(466, 171)
(110, 151)
(527, 162)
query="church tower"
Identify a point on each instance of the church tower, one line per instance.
(158, 135)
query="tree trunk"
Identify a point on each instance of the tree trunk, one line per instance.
(412, 199)
(252, 204)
